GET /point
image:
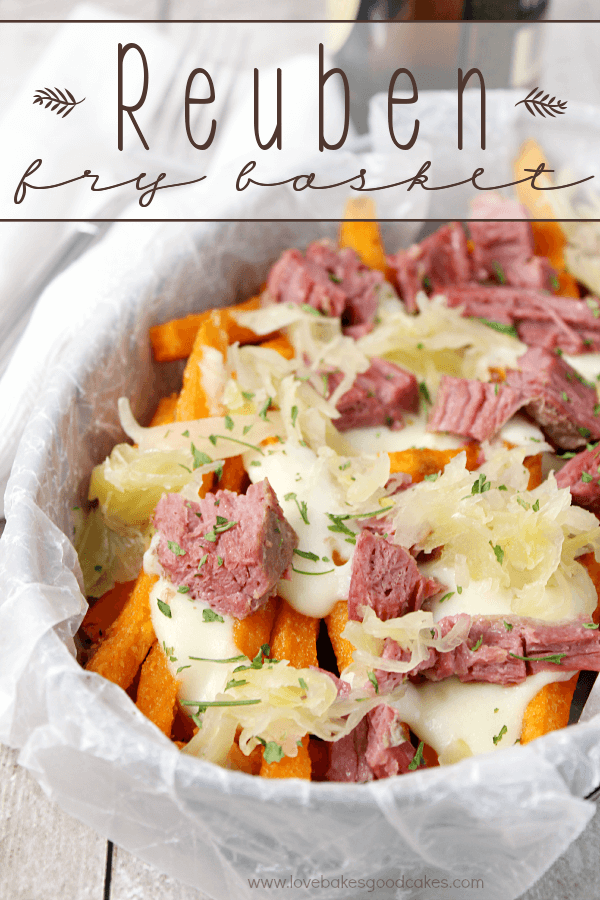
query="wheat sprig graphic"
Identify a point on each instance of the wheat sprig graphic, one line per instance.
(60, 102)
(544, 104)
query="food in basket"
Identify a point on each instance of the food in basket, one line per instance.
(357, 558)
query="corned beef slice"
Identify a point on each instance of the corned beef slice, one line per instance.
(386, 578)
(495, 639)
(506, 249)
(556, 398)
(336, 282)
(255, 550)
(442, 259)
(475, 409)
(541, 319)
(584, 493)
(378, 396)
(389, 750)
(377, 748)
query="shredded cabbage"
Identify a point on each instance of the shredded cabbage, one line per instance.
(109, 551)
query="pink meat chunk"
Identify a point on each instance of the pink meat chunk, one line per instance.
(439, 260)
(335, 282)
(582, 476)
(378, 747)
(505, 250)
(557, 397)
(474, 409)
(378, 396)
(501, 650)
(386, 578)
(541, 319)
(389, 750)
(228, 550)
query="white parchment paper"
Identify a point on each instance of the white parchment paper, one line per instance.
(502, 818)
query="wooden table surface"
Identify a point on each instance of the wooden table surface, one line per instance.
(44, 853)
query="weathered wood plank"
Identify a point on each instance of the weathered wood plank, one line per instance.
(132, 879)
(44, 853)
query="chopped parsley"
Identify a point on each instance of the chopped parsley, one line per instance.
(586, 478)
(265, 408)
(345, 466)
(424, 392)
(417, 759)
(230, 659)
(448, 595)
(536, 505)
(565, 397)
(373, 679)
(164, 608)
(592, 304)
(213, 438)
(202, 561)
(256, 462)
(433, 477)
(209, 615)
(584, 432)
(228, 423)
(200, 459)
(175, 548)
(303, 684)
(590, 625)
(183, 589)
(333, 277)
(235, 682)
(273, 752)
(498, 737)
(523, 503)
(181, 668)
(248, 395)
(204, 704)
(301, 504)
(476, 646)
(498, 551)
(306, 554)
(508, 625)
(219, 560)
(458, 589)
(185, 433)
(481, 485)
(499, 272)
(501, 327)
(302, 572)
(556, 658)
(294, 415)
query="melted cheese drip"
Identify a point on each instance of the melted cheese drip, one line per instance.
(297, 470)
(460, 720)
(519, 431)
(186, 634)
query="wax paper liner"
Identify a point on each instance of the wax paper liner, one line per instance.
(499, 819)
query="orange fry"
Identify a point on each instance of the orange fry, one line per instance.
(234, 477)
(105, 610)
(129, 638)
(549, 709)
(165, 411)
(175, 339)
(298, 766)
(281, 344)
(294, 637)
(534, 464)
(336, 622)
(251, 633)
(157, 690)
(363, 236)
(194, 402)
(422, 461)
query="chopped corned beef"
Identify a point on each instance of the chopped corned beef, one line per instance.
(378, 747)
(501, 650)
(336, 282)
(582, 475)
(228, 549)
(475, 409)
(378, 396)
(541, 319)
(439, 260)
(389, 750)
(386, 578)
(557, 397)
(505, 250)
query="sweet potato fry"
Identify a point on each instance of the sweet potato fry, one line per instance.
(336, 622)
(549, 709)
(165, 411)
(294, 637)
(175, 339)
(298, 766)
(281, 344)
(105, 610)
(194, 401)
(157, 690)
(422, 461)
(129, 638)
(251, 633)
(534, 464)
(234, 477)
(363, 236)
(250, 764)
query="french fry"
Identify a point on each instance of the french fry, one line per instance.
(336, 621)
(234, 477)
(298, 766)
(363, 236)
(129, 638)
(281, 344)
(165, 411)
(105, 610)
(175, 339)
(250, 764)
(294, 637)
(534, 465)
(419, 462)
(194, 401)
(157, 690)
(549, 709)
(251, 633)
